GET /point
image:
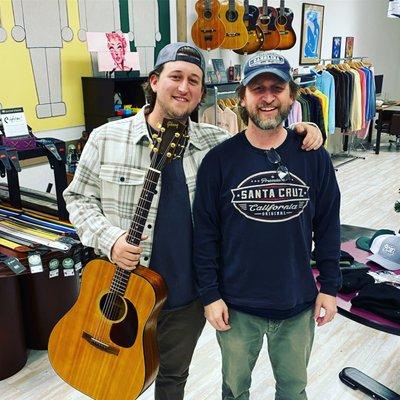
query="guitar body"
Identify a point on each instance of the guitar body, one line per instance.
(267, 24)
(236, 35)
(114, 357)
(284, 26)
(256, 37)
(208, 31)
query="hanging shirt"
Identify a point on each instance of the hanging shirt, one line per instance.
(326, 84)
(295, 114)
(226, 118)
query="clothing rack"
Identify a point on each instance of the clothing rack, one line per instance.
(217, 93)
(341, 59)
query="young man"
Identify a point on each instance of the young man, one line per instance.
(102, 198)
(260, 201)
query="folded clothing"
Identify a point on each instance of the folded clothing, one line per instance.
(354, 280)
(381, 298)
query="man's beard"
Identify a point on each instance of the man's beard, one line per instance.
(269, 123)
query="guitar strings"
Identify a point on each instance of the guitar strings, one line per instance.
(120, 272)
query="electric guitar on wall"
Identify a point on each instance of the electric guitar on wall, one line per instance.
(231, 14)
(267, 23)
(208, 31)
(284, 25)
(256, 36)
(105, 346)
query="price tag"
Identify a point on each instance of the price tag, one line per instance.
(14, 264)
(54, 273)
(53, 268)
(35, 263)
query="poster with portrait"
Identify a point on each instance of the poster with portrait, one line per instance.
(336, 49)
(348, 50)
(311, 33)
(113, 51)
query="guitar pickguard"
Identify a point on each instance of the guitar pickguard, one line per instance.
(124, 333)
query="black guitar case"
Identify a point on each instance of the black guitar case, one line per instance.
(357, 380)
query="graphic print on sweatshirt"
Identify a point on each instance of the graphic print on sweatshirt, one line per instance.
(264, 197)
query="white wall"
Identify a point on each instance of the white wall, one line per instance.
(375, 35)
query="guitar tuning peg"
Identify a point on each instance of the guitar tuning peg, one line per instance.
(155, 149)
(162, 129)
(151, 146)
(159, 125)
(169, 155)
(173, 145)
(177, 134)
(154, 136)
(158, 139)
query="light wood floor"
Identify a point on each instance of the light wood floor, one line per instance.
(369, 189)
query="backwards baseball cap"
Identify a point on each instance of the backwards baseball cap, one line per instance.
(262, 62)
(386, 249)
(365, 242)
(173, 52)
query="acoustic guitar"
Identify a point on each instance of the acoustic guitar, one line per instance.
(284, 25)
(231, 14)
(256, 36)
(208, 31)
(267, 23)
(105, 346)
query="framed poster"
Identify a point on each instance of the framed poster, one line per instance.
(336, 49)
(311, 33)
(348, 51)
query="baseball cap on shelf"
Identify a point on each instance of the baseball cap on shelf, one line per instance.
(386, 249)
(364, 242)
(173, 52)
(263, 62)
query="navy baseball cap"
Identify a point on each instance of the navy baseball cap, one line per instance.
(262, 62)
(172, 52)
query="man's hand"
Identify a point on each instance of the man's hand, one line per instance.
(328, 303)
(124, 254)
(313, 139)
(217, 315)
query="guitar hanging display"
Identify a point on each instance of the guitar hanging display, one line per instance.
(267, 24)
(256, 36)
(284, 25)
(105, 346)
(231, 14)
(208, 31)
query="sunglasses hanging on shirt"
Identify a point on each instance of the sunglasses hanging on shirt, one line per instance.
(275, 159)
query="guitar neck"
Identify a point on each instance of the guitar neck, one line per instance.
(207, 6)
(231, 5)
(121, 276)
(142, 210)
(265, 7)
(282, 8)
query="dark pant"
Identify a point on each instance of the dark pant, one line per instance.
(178, 332)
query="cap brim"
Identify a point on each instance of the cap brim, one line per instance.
(383, 262)
(275, 71)
(363, 243)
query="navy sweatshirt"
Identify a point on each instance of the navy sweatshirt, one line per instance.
(253, 233)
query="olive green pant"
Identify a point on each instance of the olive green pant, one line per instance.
(289, 347)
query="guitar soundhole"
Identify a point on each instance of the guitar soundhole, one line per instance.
(113, 306)
(231, 16)
(207, 14)
(282, 20)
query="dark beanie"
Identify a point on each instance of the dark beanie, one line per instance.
(354, 280)
(381, 298)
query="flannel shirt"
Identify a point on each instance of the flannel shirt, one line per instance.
(109, 179)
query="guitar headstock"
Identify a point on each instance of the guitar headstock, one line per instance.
(169, 143)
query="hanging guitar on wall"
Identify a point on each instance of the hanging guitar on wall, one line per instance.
(256, 36)
(231, 14)
(208, 31)
(284, 25)
(105, 346)
(267, 23)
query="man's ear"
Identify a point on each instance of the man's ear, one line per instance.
(153, 82)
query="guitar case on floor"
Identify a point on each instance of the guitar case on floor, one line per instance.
(357, 380)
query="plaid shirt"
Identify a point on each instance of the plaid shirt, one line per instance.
(109, 179)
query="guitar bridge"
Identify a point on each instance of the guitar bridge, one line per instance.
(100, 345)
(208, 30)
(232, 34)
